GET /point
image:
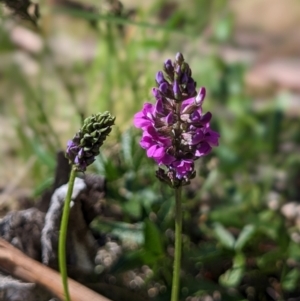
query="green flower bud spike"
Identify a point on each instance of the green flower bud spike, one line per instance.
(81, 152)
(84, 147)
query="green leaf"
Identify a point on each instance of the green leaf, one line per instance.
(133, 207)
(224, 236)
(153, 242)
(107, 168)
(46, 184)
(147, 197)
(210, 180)
(199, 287)
(165, 210)
(126, 232)
(268, 261)
(115, 20)
(233, 276)
(132, 260)
(42, 154)
(245, 235)
(152, 245)
(291, 280)
(223, 29)
(294, 251)
(127, 141)
(230, 215)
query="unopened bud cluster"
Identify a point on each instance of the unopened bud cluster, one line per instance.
(84, 147)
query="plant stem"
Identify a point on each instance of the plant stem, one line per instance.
(63, 235)
(177, 254)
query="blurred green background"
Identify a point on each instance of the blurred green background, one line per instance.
(61, 61)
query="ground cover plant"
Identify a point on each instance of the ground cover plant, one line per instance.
(240, 213)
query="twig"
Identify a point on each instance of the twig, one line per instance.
(21, 266)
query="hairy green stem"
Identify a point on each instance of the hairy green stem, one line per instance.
(177, 254)
(63, 235)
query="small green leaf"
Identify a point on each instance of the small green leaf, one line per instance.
(291, 280)
(223, 29)
(224, 236)
(207, 253)
(267, 261)
(132, 260)
(153, 242)
(42, 154)
(245, 235)
(127, 232)
(127, 141)
(107, 168)
(46, 184)
(133, 207)
(233, 276)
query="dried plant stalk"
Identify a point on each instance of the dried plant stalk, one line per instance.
(21, 266)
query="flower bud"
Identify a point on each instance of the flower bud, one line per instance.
(84, 147)
(179, 58)
(176, 90)
(200, 97)
(160, 77)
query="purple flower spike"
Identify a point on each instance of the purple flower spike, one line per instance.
(175, 130)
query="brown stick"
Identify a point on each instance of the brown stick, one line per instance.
(21, 266)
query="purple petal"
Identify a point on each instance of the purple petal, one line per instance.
(157, 153)
(143, 118)
(146, 140)
(144, 144)
(184, 78)
(159, 107)
(203, 150)
(77, 160)
(198, 137)
(206, 118)
(140, 121)
(81, 153)
(156, 93)
(167, 159)
(196, 116)
(70, 143)
(212, 137)
(170, 118)
(191, 86)
(186, 103)
(147, 108)
(182, 167)
(200, 97)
